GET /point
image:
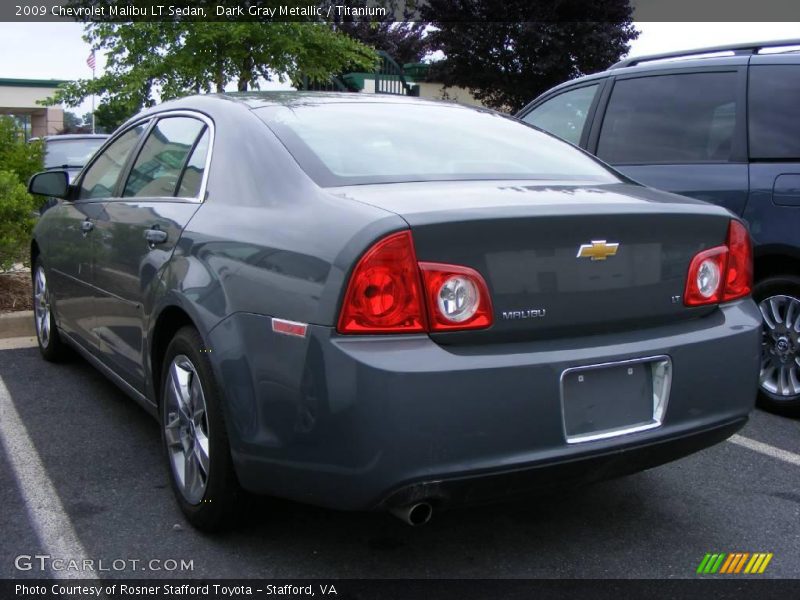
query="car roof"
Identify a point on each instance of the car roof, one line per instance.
(660, 65)
(214, 105)
(739, 54)
(253, 100)
(258, 99)
(76, 136)
(743, 49)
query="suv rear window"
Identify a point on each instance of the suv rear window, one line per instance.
(350, 143)
(774, 111)
(678, 119)
(70, 153)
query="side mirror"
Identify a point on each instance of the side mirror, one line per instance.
(50, 183)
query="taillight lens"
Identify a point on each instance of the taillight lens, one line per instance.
(457, 297)
(739, 278)
(704, 284)
(384, 294)
(721, 273)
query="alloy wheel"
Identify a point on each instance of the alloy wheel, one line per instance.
(780, 346)
(41, 307)
(186, 429)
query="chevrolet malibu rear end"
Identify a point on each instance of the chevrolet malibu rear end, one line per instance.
(404, 305)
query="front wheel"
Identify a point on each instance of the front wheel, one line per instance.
(778, 299)
(47, 336)
(194, 436)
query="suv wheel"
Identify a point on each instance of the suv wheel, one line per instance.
(194, 436)
(778, 299)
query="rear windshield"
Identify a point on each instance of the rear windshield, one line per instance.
(361, 142)
(70, 153)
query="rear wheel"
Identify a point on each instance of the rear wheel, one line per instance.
(194, 436)
(50, 344)
(778, 299)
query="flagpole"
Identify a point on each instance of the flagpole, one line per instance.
(93, 96)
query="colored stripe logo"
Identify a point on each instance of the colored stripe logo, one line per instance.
(734, 563)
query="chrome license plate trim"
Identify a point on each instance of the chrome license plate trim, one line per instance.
(661, 366)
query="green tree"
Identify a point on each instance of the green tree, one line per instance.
(110, 115)
(21, 158)
(405, 42)
(72, 123)
(400, 33)
(510, 51)
(172, 59)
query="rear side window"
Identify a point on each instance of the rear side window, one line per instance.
(102, 175)
(192, 176)
(685, 118)
(158, 168)
(774, 92)
(565, 115)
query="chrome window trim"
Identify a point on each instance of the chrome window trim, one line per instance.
(659, 407)
(156, 117)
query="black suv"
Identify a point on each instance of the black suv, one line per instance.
(725, 129)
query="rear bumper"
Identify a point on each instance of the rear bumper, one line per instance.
(560, 474)
(358, 423)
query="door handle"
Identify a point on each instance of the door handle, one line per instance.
(155, 236)
(86, 226)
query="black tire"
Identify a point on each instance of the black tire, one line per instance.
(772, 287)
(221, 496)
(51, 345)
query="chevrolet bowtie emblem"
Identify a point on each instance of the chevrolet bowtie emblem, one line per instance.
(597, 250)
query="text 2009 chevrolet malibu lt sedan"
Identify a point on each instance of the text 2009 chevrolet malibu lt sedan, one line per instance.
(370, 302)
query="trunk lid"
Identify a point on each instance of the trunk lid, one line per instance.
(525, 239)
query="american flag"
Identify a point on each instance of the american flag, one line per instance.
(90, 60)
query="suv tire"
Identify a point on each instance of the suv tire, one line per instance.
(778, 297)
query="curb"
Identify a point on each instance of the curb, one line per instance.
(17, 324)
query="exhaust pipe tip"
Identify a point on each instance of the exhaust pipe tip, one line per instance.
(415, 514)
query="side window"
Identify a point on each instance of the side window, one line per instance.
(193, 173)
(686, 118)
(774, 111)
(565, 115)
(102, 175)
(160, 163)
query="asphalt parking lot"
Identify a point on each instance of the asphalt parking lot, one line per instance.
(81, 477)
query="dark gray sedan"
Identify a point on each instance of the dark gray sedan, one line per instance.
(374, 302)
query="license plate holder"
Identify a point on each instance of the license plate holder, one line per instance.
(612, 399)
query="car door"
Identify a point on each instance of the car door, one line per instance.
(566, 113)
(138, 231)
(72, 243)
(680, 131)
(773, 210)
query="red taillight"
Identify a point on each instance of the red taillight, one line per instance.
(722, 273)
(386, 289)
(457, 297)
(384, 294)
(739, 277)
(706, 277)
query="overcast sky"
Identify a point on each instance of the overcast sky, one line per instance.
(56, 50)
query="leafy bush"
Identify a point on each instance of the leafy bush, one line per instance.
(16, 220)
(18, 161)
